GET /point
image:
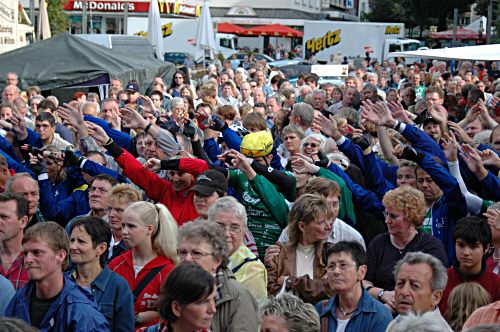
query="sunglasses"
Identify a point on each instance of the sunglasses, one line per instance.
(312, 145)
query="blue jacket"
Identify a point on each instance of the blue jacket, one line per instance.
(423, 142)
(71, 311)
(450, 207)
(114, 298)
(370, 315)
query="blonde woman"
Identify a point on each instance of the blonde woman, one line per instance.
(150, 231)
(463, 300)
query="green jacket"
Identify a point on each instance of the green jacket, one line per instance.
(346, 207)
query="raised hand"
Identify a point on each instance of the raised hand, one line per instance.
(132, 119)
(398, 111)
(97, 132)
(474, 161)
(450, 146)
(493, 216)
(302, 164)
(459, 133)
(152, 165)
(19, 125)
(147, 104)
(327, 125)
(438, 113)
(490, 158)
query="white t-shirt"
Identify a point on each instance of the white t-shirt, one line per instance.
(305, 260)
(341, 324)
(340, 232)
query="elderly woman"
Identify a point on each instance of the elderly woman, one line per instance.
(299, 267)
(288, 313)
(231, 216)
(187, 301)
(313, 146)
(178, 109)
(292, 136)
(149, 230)
(121, 196)
(405, 213)
(89, 241)
(204, 244)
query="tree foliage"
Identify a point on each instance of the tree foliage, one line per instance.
(417, 13)
(58, 19)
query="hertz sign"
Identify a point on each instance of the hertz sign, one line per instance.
(392, 30)
(315, 45)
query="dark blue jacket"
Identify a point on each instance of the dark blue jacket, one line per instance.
(450, 207)
(71, 311)
(114, 299)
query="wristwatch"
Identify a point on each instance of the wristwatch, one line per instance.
(380, 294)
(137, 319)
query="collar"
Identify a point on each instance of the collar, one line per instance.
(469, 277)
(102, 279)
(365, 304)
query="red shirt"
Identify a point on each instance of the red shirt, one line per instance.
(489, 281)
(147, 300)
(180, 203)
(16, 273)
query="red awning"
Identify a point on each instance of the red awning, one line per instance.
(231, 28)
(462, 33)
(274, 30)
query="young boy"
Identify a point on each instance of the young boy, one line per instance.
(472, 238)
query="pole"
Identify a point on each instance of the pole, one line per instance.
(488, 22)
(455, 25)
(32, 12)
(125, 18)
(84, 17)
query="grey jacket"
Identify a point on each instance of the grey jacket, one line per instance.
(237, 309)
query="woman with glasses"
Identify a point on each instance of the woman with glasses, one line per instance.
(89, 241)
(178, 80)
(204, 244)
(313, 146)
(149, 230)
(351, 309)
(405, 213)
(299, 267)
(121, 196)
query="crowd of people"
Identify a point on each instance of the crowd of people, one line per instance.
(236, 200)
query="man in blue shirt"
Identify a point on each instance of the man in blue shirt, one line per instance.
(50, 301)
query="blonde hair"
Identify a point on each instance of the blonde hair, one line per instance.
(124, 193)
(306, 209)
(408, 200)
(164, 236)
(463, 300)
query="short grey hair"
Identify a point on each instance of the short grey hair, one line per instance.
(318, 137)
(305, 112)
(176, 102)
(420, 323)
(297, 315)
(227, 204)
(370, 86)
(319, 92)
(208, 232)
(439, 273)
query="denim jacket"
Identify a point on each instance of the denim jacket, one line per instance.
(114, 299)
(73, 310)
(370, 315)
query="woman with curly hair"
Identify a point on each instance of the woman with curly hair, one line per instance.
(404, 214)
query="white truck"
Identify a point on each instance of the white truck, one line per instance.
(16, 29)
(324, 38)
(179, 35)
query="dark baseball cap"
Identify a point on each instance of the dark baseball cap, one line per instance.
(132, 86)
(209, 182)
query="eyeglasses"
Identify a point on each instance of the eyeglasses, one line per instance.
(232, 229)
(110, 209)
(391, 216)
(312, 145)
(178, 77)
(195, 253)
(342, 266)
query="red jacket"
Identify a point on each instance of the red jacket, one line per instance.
(147, 300)
(489, 281)
(160, 190)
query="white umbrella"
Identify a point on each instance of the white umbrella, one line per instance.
(43, 22)
(205, 39)
(154, 28)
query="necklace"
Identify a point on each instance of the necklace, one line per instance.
(346, 313)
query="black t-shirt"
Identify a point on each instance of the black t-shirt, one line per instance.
(382, 256)
(38, 308)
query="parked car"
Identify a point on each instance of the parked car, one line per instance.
(175, 57)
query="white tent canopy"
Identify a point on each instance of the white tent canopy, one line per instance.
(480, 52)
